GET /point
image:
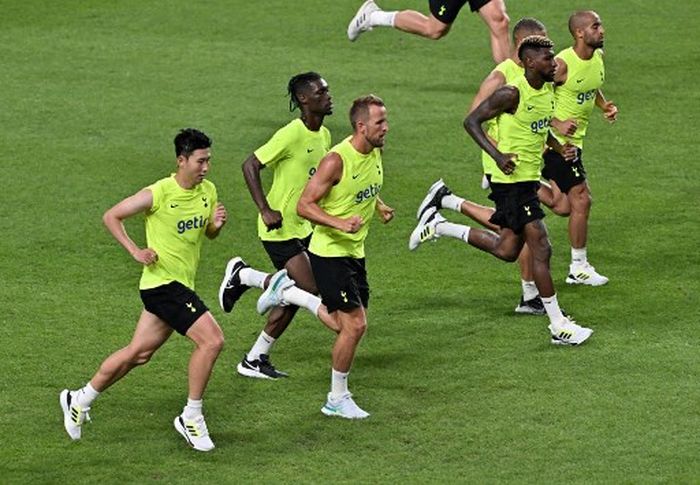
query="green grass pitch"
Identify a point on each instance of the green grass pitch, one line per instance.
(460, 389)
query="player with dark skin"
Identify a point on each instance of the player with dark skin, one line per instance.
(315, 103)
(540, 68)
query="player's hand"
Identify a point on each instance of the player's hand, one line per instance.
(610, 111)
(352, 224)
(271, 218)
(506, 162)
(220, 216)
(146, 256)
(569, 152)
(385, 212)
(566, 127)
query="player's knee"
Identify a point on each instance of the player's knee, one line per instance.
(509, 255)
(356, 327)
(436, 30)
(499, 22)
(141, 357)
(213, 344)
(543, 250)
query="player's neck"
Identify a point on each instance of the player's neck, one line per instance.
(534, 80)
(312, 121)
(361, 144)
(583, 51)
(515, 59)
(184, 182)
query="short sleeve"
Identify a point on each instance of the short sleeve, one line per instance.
(277, 148)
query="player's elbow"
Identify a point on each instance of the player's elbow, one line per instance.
(303, 208)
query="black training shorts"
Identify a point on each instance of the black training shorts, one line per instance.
(446, 11)
(282, 251)
(565, 174)
(516, 205)
(342, 282)
(175, 304)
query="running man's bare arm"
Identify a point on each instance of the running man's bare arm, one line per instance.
(251, 173)
(114, 220)
(329, 173)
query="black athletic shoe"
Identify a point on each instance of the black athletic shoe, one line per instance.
(531, 307)
(260, 368)
(231, 287)
(433, 198)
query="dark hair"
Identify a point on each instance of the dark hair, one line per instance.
(533, 42)
(189, 140)
(360, 107)
(528, 24)
(299, 83)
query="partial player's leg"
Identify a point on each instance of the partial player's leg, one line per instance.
(494, 15)
(433, 26)
(550, 195)
(150, 333)
(563, 330)
(209, 341)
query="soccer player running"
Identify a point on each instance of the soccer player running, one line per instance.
(340, 199)
(180, 211)
(523, 110)
(580, 75)
(293, 153)
(440, 196)
(436, 25)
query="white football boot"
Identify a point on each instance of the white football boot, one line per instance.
(425, 230)
(73, 415)
(585, 274)
(344, 407)
(195, 432)
(360, 22)
(272, 296)
(566, 332)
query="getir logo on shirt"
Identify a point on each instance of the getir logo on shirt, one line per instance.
(371, 191)
(196, 222)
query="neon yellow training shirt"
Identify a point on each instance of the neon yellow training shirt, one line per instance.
(355, 194)
(175, 228)
(293, 152)
(511, 71)
(525, 132)
(575, 98)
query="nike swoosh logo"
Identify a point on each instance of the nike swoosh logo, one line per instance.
(172, 206)
(529, 108)
(309, 150)
(253, 367)
(355, 176)
(580, 80)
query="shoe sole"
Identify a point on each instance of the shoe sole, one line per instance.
(227, 276)
(529, 311)
(180, 429)
(63, 401)
(331, 413)
(354, 21)
(573, 281)
(429, 196)
(556, 341)
(253, 373)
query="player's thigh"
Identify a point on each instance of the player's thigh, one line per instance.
(299, 269)
(151, 332)
(537, 238)
(494, 14)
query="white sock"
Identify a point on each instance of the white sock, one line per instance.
(380, 18)
(578, 256)
(253, 277)
(193, 409)
(457, 231)
(551, 305)
(452, 202)
(529, 290)
(86, 395)
(339, 384)
(262, 346)
(304, 299)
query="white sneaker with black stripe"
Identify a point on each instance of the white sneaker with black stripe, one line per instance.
(566, 332)
(361, 22)
(195, 432)
(425, 230)
(585, 274)
(73, 415)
